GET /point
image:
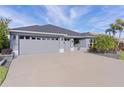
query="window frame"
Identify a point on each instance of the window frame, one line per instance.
(57, 38)
(38, 38)
(33, 38)
(21, 37)
(43, 38)
(27, 38)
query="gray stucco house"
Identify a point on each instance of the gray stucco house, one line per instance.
(47, 38)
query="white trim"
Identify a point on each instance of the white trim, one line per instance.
(75, 36)
(36, 32)
(81, 36)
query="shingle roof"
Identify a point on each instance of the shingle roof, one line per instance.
(88, 34)
(48, 29)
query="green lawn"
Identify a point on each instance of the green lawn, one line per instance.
(3, 73)
(121, 55)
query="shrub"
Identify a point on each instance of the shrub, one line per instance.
(104, 43)
(6, 51)
(121, 55)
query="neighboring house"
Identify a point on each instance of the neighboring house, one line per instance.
(46, 39)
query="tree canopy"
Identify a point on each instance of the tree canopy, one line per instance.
(4, 41)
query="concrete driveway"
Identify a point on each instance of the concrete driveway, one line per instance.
(67, 69)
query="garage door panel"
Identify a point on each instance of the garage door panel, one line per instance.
(38, 46)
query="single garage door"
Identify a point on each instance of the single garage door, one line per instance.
(34, 45)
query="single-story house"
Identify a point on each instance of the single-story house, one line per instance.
(47, 38)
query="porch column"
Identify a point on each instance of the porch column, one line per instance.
(61, 45)
(14, 43)
(71, 44)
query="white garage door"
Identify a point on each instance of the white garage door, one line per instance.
(34, 45)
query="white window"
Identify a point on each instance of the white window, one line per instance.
(43, 38)
(27, 37)
(21, 37)
(53, 38)
(48, 38)
(38, 38)
(57, 39)
(33, 37)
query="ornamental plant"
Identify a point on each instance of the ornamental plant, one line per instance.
(104, 43)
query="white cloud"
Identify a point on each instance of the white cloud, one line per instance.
(18, 19)
(78, 11)
(56, 15)
(65, 15)
(107, 15)
(73, 14)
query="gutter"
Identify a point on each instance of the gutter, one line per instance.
(31, 32)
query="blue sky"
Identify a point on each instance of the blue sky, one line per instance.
(79, 18)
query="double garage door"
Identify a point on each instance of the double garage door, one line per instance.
(29, 46)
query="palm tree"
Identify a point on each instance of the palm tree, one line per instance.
(112, 30)
(109, 30)
(119, 27)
